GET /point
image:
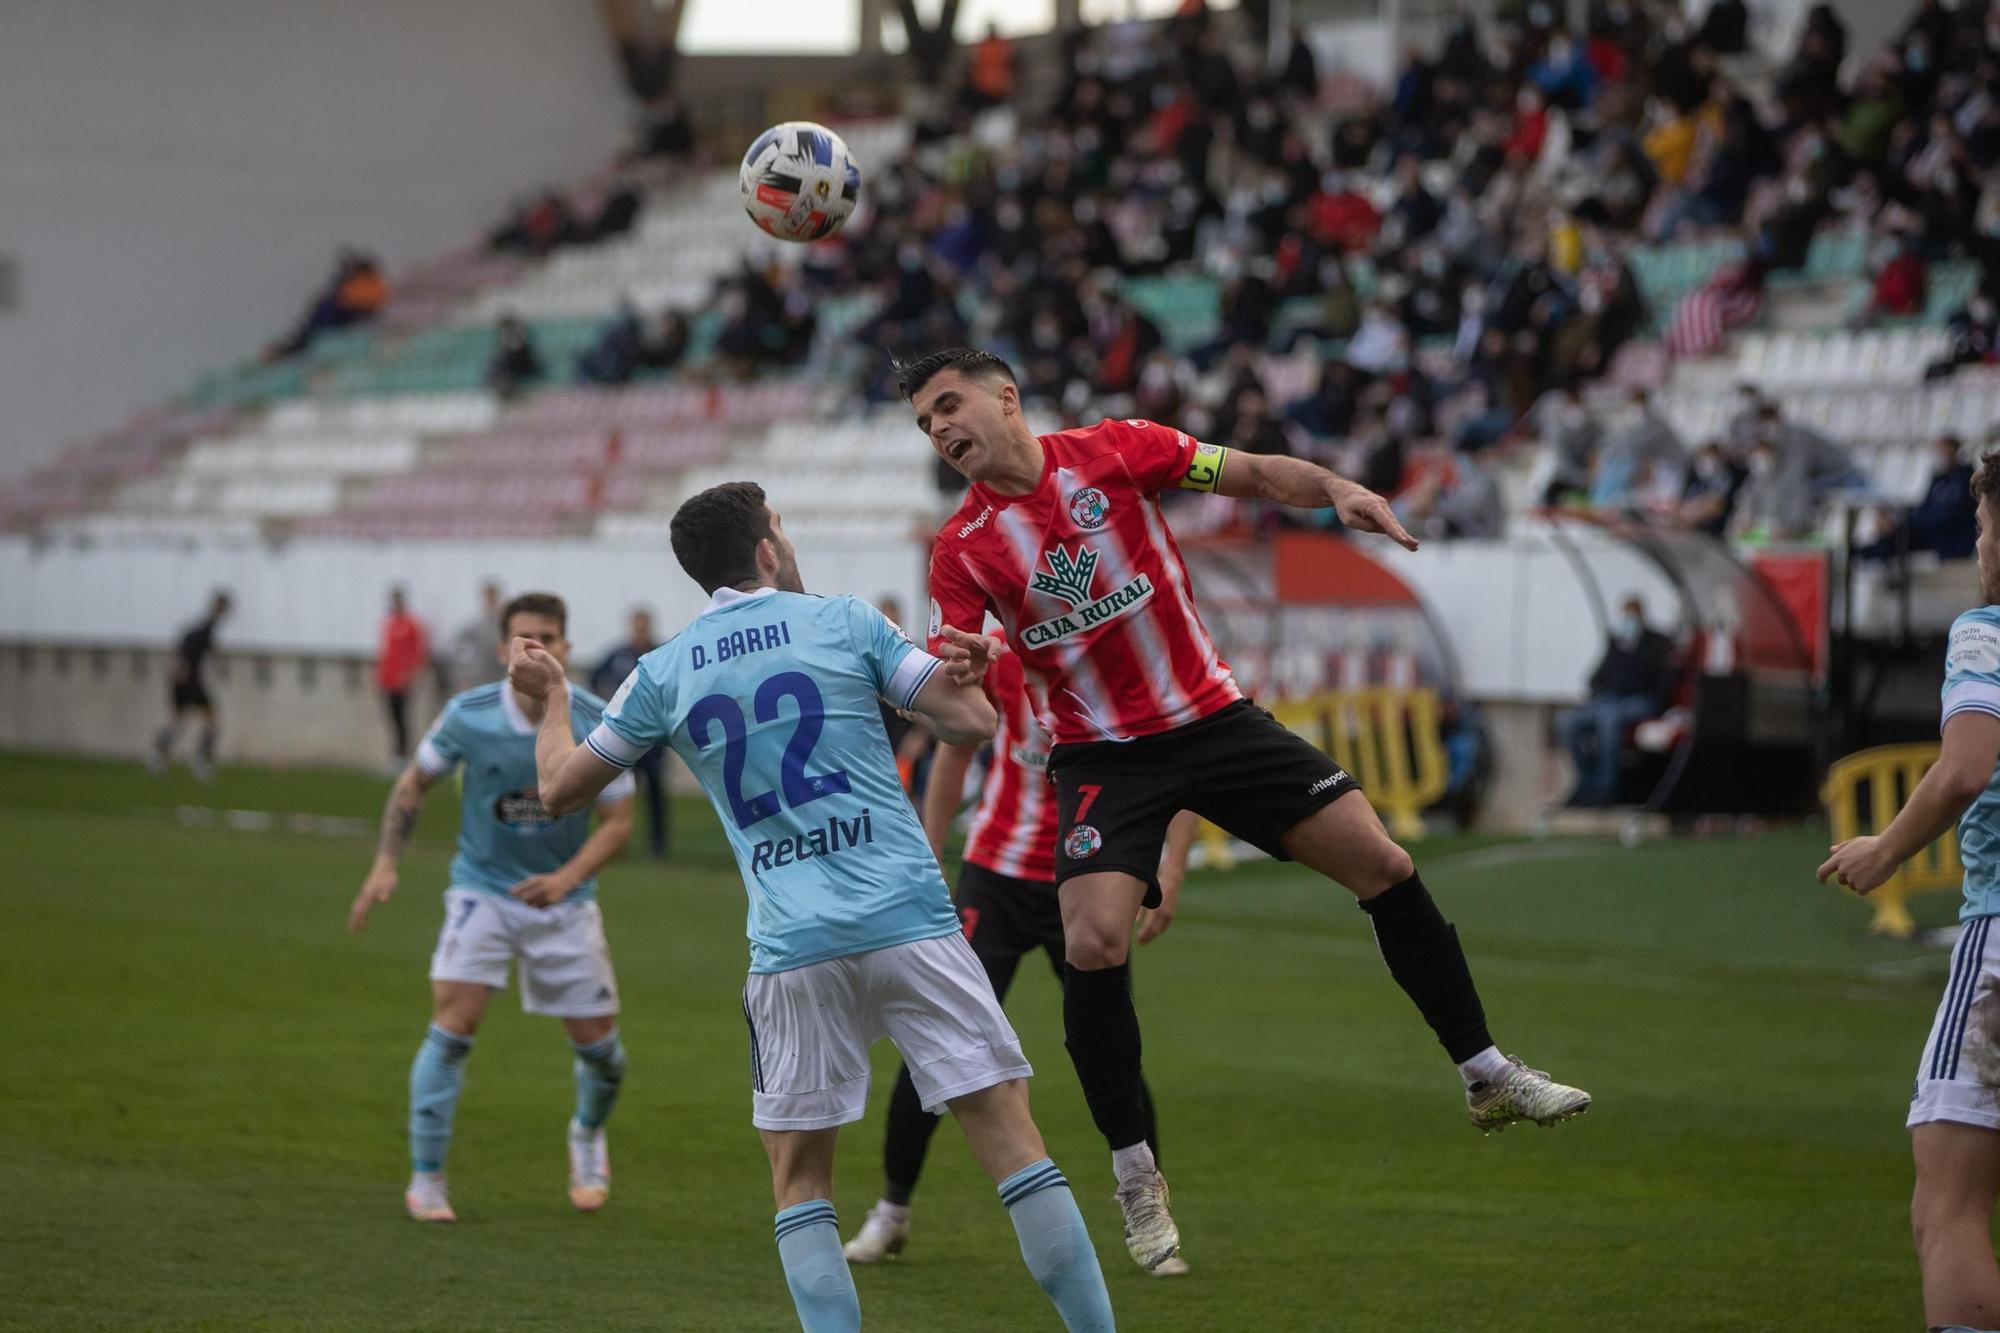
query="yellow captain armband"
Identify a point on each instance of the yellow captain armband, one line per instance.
(1205, 473)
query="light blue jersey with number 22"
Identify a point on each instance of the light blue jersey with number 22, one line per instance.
(770, 697)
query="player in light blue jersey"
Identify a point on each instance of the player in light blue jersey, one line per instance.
(522, 887)
(1955, 1111)
(771, 698)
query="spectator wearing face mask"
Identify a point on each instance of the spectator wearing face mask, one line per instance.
(1571, 435)
(1709, 497)
(1945, 521)
(1631, 683)
(1638, 444)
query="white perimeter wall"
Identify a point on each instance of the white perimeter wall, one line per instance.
(329, 597)
(176, 174)
(1522, 624)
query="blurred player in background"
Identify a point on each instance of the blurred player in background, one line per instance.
(468, 660)
(523, 888)
(187, 692)
(1061, 538)
(1006, 900)
(1955, 1109)
(771, 698)
(397, 665)
(619, 663)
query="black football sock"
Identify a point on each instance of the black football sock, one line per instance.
(1101, 1030)
(1421, 949)
(1152, 1120)
(906, 1141)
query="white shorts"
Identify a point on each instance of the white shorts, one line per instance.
(565, 963)
(811, 1027)
(1959, 1077)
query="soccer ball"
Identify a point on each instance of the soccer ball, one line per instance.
(799, 182)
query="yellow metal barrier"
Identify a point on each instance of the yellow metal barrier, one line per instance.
(1888, 774)
(1386, 736)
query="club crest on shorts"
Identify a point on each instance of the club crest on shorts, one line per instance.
(1082, 843)
(1088, 508)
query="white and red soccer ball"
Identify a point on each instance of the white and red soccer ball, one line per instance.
(799, 182)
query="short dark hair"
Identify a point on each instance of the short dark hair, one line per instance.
(911, 376)
(1986, 481)
(535, 604)
(715, 534)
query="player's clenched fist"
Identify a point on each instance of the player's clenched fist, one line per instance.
(532, 669)
(965, 656)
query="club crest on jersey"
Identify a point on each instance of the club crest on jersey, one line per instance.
(1088, 508)
(1069, 577)
(1082, 843)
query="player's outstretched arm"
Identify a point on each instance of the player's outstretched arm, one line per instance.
(399, 821)
(1964, 767)
(568, 776)
(953, 701)
(613, 831)
(949, 766)
(1303, 485)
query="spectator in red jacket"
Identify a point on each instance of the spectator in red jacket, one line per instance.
(1900, 282)
(397, 666)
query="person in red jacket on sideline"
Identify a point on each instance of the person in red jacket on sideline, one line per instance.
(401, 659)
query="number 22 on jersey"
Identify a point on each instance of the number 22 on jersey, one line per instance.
(798, 786)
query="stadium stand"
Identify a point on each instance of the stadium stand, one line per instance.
(1504, 261)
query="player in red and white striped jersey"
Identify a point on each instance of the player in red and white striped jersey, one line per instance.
(1061, 538)
(1006, 900)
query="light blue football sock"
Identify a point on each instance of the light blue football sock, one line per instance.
(1056, 1245)
(823, 1290)
(435, 1077)
(600, 1069)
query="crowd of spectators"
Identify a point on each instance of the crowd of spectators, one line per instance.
(1454, 248)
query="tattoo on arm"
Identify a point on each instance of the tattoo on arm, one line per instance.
(399, 817)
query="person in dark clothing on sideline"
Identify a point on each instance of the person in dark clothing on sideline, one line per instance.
(618, 664)
(189, 694)
(1631, 683)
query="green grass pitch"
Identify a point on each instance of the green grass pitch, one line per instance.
(202, 1097)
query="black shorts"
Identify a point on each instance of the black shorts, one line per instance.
(1005, 919)
(190, 694)
(1238, 768)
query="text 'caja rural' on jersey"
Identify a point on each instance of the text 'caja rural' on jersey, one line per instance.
(1014, 825)
(1972, 685)
(1084, 576)
(770, 697)
(504, 834)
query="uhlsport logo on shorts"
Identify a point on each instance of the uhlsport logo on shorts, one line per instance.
(1082, 842)
(1088, 508)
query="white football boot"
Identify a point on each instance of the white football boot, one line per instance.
(1524, 1094)
(1150, 1234)
(589, 1168)
(883, 1234)
(426, 1198)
